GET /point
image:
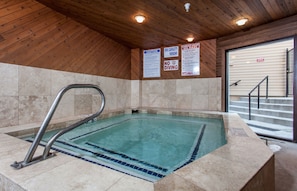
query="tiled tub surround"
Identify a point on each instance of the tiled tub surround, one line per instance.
(27, 93)
(244, 163)
(197, 93)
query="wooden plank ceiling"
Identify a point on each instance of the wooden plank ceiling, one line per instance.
(167, 23)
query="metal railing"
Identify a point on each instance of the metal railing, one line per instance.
(46, 154)
(235, 83)
(258, 95)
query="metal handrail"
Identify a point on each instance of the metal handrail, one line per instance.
(235, 83)
(257, 86)
(29, 156)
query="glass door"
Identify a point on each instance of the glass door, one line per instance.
(246, 68)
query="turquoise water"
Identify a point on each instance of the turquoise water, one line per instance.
(143, 145)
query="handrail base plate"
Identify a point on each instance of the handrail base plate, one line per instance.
(21, 164)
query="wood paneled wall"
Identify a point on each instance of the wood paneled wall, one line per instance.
(34, 35)
(207, 63)
(136, 64)
(276, 30)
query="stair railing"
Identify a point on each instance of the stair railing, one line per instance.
(235, 83)
(258, 95)
(46, 154)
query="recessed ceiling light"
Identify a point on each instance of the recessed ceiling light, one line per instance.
(190, 39)
(139, 18)
(241, 22)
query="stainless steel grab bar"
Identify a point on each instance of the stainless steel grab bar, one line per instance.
(29, 157)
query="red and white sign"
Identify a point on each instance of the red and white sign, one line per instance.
(170, 65)
(190, 61)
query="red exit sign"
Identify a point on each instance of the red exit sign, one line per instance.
(260, 60)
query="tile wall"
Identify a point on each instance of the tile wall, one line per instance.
(27, 93)
(195, 93)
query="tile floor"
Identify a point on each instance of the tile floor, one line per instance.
(285, 165)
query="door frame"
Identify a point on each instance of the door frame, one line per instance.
(295, 92)
(282, 28)
(227, 87)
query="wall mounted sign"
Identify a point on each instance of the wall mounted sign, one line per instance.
(190, 60)
(260, 59)
(171, 52)
(170, 65)
(151, 63)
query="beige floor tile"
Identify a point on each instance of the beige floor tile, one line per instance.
(285, 165)
(75, 175)
(205, 173)
(132, 184)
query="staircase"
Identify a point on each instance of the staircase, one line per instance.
(274, 118)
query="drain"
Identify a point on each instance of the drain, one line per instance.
(274, 148)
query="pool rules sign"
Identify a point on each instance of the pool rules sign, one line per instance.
(151, 63)
(190, 60)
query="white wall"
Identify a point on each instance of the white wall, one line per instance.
(252, 64)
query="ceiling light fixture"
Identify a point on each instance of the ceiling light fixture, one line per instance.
(190, 39)
(241, 22)
(187, 7)
(139, 18)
